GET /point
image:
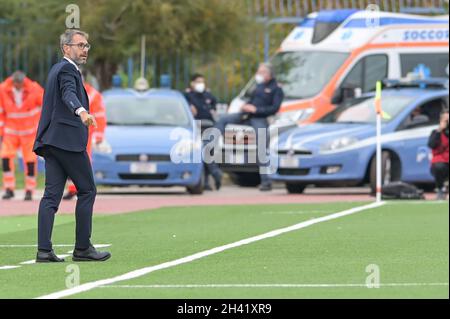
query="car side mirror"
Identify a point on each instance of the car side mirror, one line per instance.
(346, 93)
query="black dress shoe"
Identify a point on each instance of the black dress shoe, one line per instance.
(265, 187)
(90, 254)
(8, 194)
(48, 257)
(218, 180)
(28, 196)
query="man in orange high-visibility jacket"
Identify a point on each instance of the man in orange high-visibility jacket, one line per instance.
(20, 109)
(96, 135)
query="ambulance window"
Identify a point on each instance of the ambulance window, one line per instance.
(376, 69)
(367, 72)
(436, 64)
(354, 78)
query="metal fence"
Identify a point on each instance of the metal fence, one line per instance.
(302, 7)
(226, 74)
(14, 55)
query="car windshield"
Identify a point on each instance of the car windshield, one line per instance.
(363, 110)
(303, 74)
(138, 111)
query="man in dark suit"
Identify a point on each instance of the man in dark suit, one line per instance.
(62, 139)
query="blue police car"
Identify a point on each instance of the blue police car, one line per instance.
(150, 140)
(339, 150)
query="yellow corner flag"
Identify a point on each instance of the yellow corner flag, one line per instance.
(378, 99)
(378, 105)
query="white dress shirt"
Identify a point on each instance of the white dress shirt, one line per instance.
(80, 109)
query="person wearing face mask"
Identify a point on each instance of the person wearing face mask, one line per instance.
(439, 145)
(264, 101)
(203, 107)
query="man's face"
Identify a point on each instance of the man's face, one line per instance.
(445, 117)
(416, 112)
(198, 81)
(265, 73)
(74, 52)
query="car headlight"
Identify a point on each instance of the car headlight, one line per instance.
(306, 114)
(289, 117)
(293, 116)
(338, 144)
(103, 147)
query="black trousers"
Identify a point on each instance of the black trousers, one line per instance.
(440, 173)
(59, 165)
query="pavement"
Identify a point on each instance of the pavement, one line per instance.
(123, 200)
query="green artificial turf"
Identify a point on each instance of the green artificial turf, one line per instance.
(407, 241)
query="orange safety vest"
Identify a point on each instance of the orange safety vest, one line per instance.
(97, 109)
(20, 120)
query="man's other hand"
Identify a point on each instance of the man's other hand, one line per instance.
(249, 108)
(88, 119)
(194, 110)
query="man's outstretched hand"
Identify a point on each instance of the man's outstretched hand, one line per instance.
(88, 119)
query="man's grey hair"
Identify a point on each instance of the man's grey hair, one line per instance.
(67, 37)
(18, 77)
(269, 67)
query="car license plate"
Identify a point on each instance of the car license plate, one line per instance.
(240, 158)
(143, 168)
(289, 162)
(235, 158)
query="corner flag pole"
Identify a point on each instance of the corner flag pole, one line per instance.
(379, 111)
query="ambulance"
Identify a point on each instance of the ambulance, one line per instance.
(337, 55)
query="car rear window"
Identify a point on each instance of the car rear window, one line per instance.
(143, 111)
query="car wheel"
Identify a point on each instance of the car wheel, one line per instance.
(198, 188)
(390, 170)
(295, 188)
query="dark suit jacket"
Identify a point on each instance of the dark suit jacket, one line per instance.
(59, 126)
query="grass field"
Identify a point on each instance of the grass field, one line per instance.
(407, 242)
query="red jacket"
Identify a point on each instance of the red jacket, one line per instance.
(439, 144)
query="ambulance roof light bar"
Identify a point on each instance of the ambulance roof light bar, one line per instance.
(414, 80)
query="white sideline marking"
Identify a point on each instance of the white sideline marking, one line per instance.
(8, 267)
(272, 285)
(150, 269)
(35, 246)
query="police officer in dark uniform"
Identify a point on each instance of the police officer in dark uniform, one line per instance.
(203, 107)
(264, 101)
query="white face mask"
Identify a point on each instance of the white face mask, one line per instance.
(259, 79)
(200, 87)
